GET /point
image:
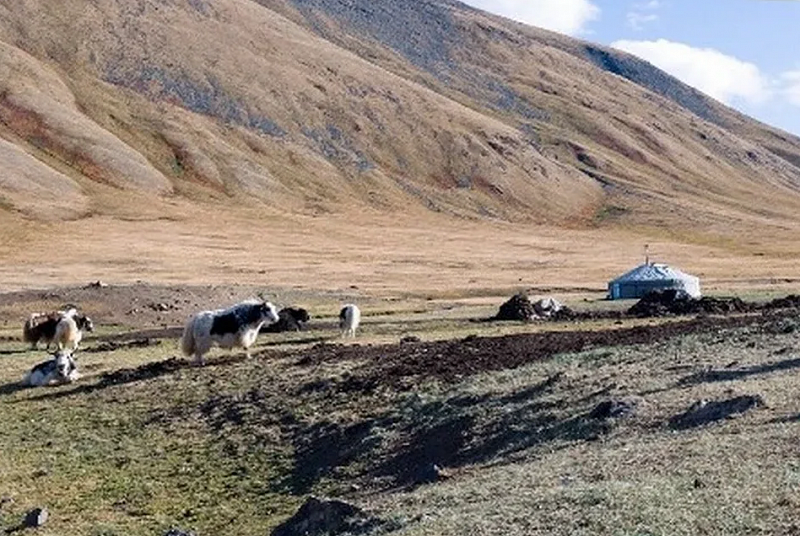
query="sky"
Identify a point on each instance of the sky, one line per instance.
(744, 53)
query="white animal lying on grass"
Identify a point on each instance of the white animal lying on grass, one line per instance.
(60, 369)
(235, 326)
(349, 319)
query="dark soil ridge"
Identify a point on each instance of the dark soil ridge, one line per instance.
(453, 360)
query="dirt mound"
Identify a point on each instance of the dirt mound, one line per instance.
(328, 517)
(519, 307)
(679, 302)
(792, 301)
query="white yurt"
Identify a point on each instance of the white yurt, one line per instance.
(652, 276)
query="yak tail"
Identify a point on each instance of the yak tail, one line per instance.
(187, 341)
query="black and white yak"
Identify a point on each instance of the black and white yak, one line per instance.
(227, 328)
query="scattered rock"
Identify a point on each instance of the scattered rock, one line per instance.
(783, 327)
(39, 473)
(705, 411)
(318, 517)
(609, 409)
(97, 284)
(432, 473)
(36, 517)
(547, 307)
(179, 532)
(698, 484)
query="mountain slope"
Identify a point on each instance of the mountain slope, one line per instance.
(323, 105)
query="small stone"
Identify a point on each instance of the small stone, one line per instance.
(179, 532)
(36, 517)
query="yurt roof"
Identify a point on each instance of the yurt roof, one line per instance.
(653, 272)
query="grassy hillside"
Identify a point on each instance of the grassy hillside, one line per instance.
(145, 441)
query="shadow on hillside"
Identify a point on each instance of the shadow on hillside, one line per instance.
(403, 448)
(711, 376)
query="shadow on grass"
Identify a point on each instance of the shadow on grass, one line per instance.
(403, 447)
(13, 352)
(786, 419)
(305, 340)
(711, 376)
(706, 412)
(11, 388)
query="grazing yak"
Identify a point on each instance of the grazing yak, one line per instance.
(349, 319)
(289, 319)
(60, 369)
(42, 326)
(235, 326)
(69, 331)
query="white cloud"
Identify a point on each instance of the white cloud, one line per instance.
(564, 16)
(638, 15)
(637, 20)
(723, 77)
(790, 83)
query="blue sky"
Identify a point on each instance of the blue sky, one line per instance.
(745, 53)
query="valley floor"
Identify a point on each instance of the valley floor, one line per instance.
(680, 425)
